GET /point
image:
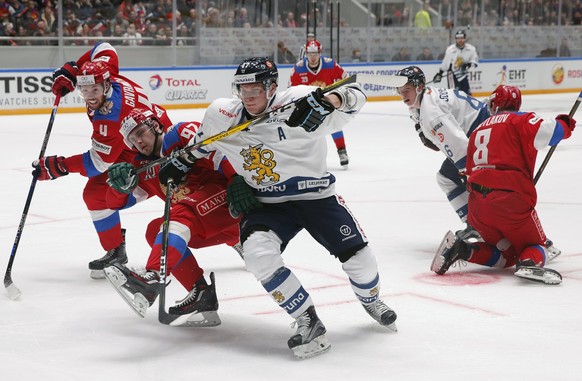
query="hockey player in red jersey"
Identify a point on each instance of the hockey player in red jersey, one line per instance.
(317, 70)
(500, 167)
(109, 98)
(199, 215)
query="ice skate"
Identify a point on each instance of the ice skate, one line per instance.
(528, 270)
(113, 256)
(380, 312)
(138, 289)
(309, 339)
(343, 156)
(552, 251)
(451, 250)
(199, 307)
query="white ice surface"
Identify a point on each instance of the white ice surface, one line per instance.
(471, 324)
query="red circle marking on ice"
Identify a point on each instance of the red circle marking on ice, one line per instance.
(458, 279)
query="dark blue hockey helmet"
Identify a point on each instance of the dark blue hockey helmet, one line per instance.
(414, 74)
(256, 69)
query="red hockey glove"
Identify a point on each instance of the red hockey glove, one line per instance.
(567, 122)
(49, 168)
(65, 79)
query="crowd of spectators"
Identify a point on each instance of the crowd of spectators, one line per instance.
(495, 13)
(134, 22)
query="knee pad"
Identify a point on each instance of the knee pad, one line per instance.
(263, 254)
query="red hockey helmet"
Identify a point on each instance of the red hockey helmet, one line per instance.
(135, 119)
(313, 47)
(93, 73)
(504, 98)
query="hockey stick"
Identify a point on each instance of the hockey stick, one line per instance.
(193, 319)
(13, 291)
(552, 149)
(163, 316)
(384, 80)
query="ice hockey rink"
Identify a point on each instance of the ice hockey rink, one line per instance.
(472, 323)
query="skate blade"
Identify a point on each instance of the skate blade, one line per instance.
(553, 253)
(447, 242)
(197, 319)
(97, 274)
(314, 348)
(391, 327)
(137, 302)
(541, 275)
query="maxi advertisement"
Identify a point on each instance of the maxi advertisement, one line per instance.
(29, 91)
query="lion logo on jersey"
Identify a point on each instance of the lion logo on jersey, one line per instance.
(261, 161)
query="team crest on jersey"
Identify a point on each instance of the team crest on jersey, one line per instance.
(318, 84)
(458, 62)
(179, 194)
(262, 162)
(106, 108)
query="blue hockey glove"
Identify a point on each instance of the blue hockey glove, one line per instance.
(176, 169)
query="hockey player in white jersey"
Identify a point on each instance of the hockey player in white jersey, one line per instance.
(444, 119)
(282, 186)
(458, 59)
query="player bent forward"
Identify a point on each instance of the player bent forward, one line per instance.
(199, 218)
(500, 166)
(290, 190)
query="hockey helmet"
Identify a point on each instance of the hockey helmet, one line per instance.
(313, 47)
(504, 98)
(414, 74)
(136, 118)
(255, 70)
(460, 34)
(93, 73)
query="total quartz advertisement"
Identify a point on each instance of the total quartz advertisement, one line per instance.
(29, 91)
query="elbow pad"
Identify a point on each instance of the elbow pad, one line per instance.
(353, 99)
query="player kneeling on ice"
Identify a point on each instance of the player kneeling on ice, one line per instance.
(500, 167)
(199, 216)
(283, 187)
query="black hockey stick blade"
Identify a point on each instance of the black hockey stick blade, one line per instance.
(552, 149)
(13, 291)
(239, 127)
